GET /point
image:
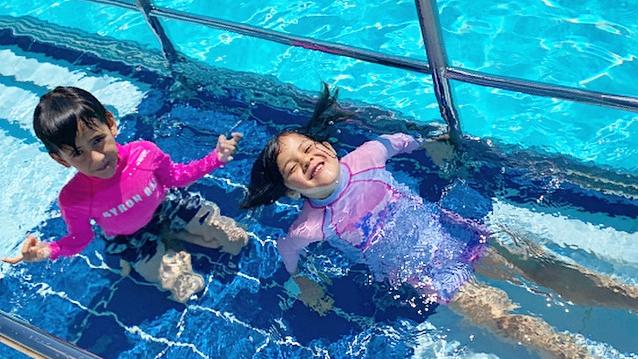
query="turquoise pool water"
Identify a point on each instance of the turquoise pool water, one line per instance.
(582, 214)
(589, 44)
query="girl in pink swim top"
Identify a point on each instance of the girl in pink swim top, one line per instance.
(123, 188)
(369, 215)
(356, 205)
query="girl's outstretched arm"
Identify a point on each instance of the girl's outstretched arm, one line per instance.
(374, 154)
(396, 144)
(290, 249)
(307, 229)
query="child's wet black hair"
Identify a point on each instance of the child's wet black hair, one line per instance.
(266, 182)
(59, 112)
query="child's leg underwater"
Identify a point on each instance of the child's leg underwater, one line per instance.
(208, 228)
(493, 265)
(491, 308)
(172, 271)
(573, 282)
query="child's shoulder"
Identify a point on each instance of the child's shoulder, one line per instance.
(142, 151)
(140, 145)
(76, 191)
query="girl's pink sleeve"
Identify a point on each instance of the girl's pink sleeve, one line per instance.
(290, 251)
(79, 229)
(376, 153)
(397, 144)
(173, 174)
(305, 230)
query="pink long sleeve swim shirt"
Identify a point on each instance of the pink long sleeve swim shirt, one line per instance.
(124, 203)
(364, 187)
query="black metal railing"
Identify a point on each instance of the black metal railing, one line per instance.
(428, 17)
(437, 58)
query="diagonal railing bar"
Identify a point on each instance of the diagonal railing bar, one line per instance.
(283, 38)
(470, 76)
(298, 41)
(543, 89)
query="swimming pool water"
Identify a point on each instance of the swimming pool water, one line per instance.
(581, 213)
(590, 44)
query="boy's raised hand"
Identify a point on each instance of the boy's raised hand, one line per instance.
(227, 147)
(32, 251)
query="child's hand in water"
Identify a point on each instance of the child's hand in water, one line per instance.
(439, 148)
(227, 147)
(32, 251)
(313, 295)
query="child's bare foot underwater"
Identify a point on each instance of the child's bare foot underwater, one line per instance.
(210, 229)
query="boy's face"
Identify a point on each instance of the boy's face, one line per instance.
(96, 153)
(308, 167)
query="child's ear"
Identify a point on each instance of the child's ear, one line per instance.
(110, 121)
(293, 194)
(329, 146)
(59, 159)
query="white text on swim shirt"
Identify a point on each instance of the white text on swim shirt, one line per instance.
(130, 202)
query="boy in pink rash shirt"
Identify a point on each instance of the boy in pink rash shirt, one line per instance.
(125, 190)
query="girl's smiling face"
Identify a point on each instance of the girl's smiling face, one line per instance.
(308, 167)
